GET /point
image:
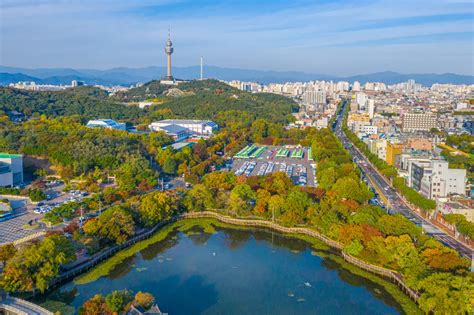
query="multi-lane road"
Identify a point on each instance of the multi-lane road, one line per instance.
(395, 202)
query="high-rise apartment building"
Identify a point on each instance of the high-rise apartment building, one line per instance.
(371, 108)
(356, 86)
(418, 121)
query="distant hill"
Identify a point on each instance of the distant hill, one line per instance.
(87, 101)
(7, 78)
(128, 76)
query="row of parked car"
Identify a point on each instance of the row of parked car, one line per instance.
(75, 195)
(246, 168)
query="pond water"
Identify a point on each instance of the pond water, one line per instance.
(237, 271)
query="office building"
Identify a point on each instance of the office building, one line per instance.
(11, 169)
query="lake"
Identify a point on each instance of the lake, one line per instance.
(235, 271)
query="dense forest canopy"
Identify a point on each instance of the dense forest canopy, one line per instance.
(197, 100)
(89, 102)
(205, 99)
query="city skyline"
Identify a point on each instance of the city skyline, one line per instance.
(340, 38)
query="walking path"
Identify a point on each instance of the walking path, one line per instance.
(18, 306)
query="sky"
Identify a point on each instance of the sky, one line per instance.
(337, 37)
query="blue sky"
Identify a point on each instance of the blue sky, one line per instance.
(338, 37)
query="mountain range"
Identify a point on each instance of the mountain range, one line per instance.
(128, 76)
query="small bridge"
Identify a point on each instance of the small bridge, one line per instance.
(15, 306)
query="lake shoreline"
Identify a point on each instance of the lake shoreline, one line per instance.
(207, 220)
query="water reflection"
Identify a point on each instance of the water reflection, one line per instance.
(235, 271)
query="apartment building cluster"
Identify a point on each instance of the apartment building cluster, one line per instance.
(400, 126)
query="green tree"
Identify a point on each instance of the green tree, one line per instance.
(7, 251)
(354, 247)
(35, 265)
(94, 306)
(398, 225)
(134, 171)
(156, 207)
(296, 204)
(117, 300)
(219, 180)
(169, 166)
(275, 205)
(350, 188)
(115, 224)
(241, 197)
(36, 195)
(144, 299)
(199, 198)
(444, 293)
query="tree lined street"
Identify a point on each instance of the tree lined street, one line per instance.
(396, 203)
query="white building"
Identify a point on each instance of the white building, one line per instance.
(356, 86)
(11, 169)
(106, 123)
(144, 104)
(371, 108)
(419, 121)
(461, 106)
(370, 130)
(314, 97)
(434, 179)
(178, 133)
(361, 100)
(195, 127)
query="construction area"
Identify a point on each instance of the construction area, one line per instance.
(258, 160)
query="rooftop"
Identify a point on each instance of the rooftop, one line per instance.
(174, 129)
(186, 121)
(10, 156)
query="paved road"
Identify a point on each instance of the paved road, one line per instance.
(397, 204)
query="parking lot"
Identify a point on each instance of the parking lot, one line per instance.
(26, 216)
(295, 161)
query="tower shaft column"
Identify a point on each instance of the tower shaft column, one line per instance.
(169, 66)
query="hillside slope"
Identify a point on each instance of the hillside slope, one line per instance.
(205, 99)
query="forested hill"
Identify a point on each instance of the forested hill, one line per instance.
(191, 100)
(89, 102)
(205, 99)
